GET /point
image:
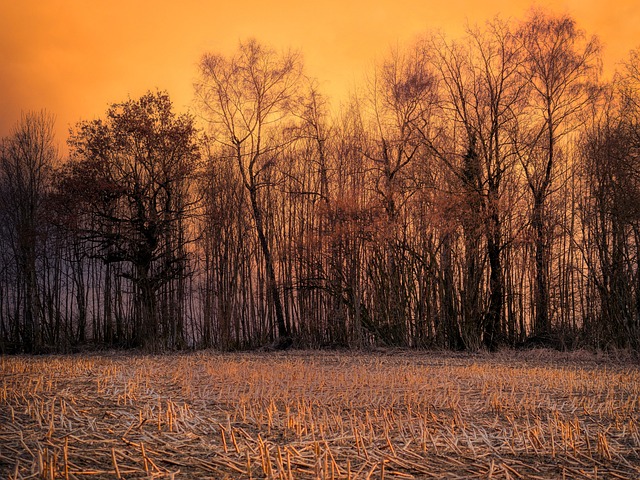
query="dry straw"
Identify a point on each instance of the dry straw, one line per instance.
(318, 416)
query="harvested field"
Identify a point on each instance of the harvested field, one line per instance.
(307, 415)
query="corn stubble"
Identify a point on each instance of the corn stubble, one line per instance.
(318, 416)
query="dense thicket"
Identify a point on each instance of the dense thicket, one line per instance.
(476, 193)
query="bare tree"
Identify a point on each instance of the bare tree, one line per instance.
(248, 101)
(27, 158)
(484, 92)
(402, 96)
(560, 68)
(610, 154)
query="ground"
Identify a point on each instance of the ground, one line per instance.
(290, 415)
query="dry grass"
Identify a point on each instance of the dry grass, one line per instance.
(319, 415)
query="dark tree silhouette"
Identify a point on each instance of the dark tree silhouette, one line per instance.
(27, 158)
(129, 178)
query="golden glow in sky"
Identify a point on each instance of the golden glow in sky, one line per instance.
(75, 57)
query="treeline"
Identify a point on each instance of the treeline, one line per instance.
(476, 193)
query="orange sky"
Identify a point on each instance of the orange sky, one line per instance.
(75, 57)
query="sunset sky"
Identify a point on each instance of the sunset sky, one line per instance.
(75, 57)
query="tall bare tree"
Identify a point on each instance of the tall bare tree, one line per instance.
(484, 92)
(401, 98)
(248, 100)
(560, 66)
(27, 158)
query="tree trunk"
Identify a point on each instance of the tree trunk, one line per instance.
(148, 335)
(542, 324)
(272, 286)
(492, 323)
(453, 339)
